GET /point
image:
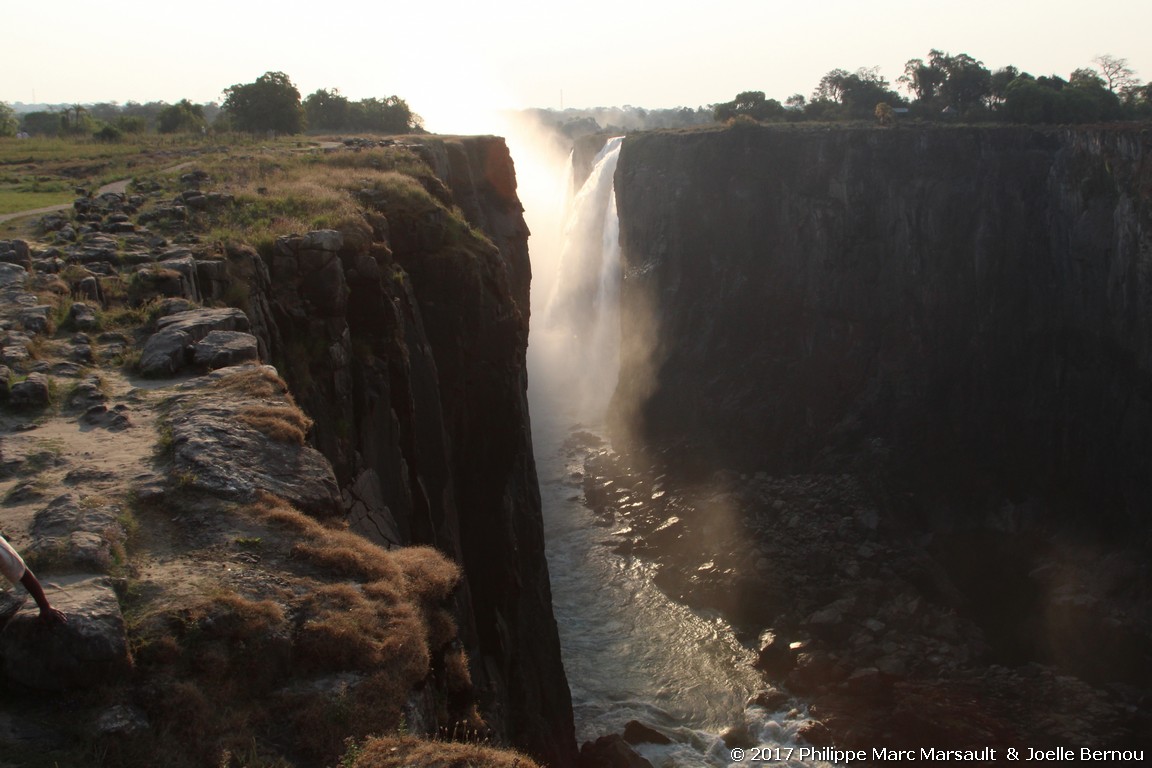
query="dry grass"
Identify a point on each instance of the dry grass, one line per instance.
(336, 550)
(241, 676)
(285, 423)
(294, 193)
(406, 752)
(257, 382)
(282, 423)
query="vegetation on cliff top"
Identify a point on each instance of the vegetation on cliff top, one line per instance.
(959, 86)
(270, 104)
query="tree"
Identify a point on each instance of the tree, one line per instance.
(967, 82)
(8, 121)
(1116, 72)
(42, 123)
(388, 115)
(1084, 98)
(272, 103)
(831, 86)
(921, 79)
(998, 85)
(858, 92)
(181, 117)
(327, 109)
(751, 104)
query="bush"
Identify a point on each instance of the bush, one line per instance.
(108, 133)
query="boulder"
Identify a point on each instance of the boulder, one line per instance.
(12, 275)
(220, 349)
(121, 719)
(89, 288)
(91, 649)
(636, 732)
(168, 350)
(610, 752)
(15, 252)
(82, 316)
(73, 537)
(772, 700)
(186, 266)
(33, 392)
(222, 456)
(776, 658)
(35, 319)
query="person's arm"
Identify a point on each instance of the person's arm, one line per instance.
(48, 614)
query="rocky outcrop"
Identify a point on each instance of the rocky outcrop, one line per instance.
(404, 339)
(171, 348)
(965, 309)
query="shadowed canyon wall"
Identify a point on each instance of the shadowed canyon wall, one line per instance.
(965, 312)
(404, 337)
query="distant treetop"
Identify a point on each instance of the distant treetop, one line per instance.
(959, 86)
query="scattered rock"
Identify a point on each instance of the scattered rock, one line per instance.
(12, 275)
(81, 316)
(122, 719)
(67, 535)
(610, 752)
(114, 419)
(776, 659)
(636, 732)
(815, 733)
(33, 392)
(738, 736)
(168, 350)
(220, 349)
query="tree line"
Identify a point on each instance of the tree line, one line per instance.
(270, 103)
(959, 86)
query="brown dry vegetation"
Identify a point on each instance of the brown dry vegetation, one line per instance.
(332, 649)
(406, 752)
(257, 382)
(282, 423)
(293, 193)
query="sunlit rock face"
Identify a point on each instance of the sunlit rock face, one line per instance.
(965, 312)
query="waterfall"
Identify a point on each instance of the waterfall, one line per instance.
(584, 309)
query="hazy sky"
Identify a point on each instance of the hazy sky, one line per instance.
(450, 58)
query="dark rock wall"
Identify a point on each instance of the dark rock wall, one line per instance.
(966, 311)
(405, 340)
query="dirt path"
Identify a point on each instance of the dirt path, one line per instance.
(119, 187)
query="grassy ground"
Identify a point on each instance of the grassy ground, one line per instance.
(39, 172)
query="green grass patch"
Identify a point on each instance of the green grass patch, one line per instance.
(12, 200)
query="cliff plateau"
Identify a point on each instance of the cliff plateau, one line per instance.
(267, 570)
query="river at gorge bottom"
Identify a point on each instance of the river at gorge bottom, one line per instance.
(630, 652)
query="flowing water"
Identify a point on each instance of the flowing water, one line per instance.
(630, 653)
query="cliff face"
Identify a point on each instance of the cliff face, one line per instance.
(405, 340)
(966, 311)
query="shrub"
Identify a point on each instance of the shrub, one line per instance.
(108, 133)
